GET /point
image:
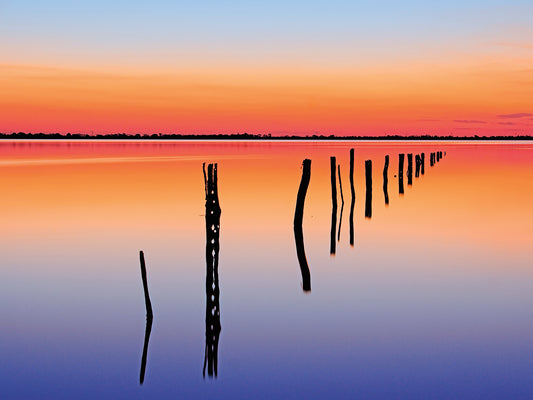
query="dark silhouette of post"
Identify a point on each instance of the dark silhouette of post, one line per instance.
(212, 291)
(417, 163)
(298, 229)
(422, 163)
(386, 180)
(432, 159)
(400, 173)
(368, 176)
(353, 197)
(409, 169)
(333, 205)
(342, 203)
(149, 317)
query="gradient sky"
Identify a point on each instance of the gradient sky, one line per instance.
(336, 67)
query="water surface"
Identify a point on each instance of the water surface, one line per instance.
(432, 300)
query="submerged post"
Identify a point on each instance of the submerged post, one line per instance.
(400, 173)
(333, 168)
(298, 229)
(386, 180)
(353, 197)
(368, 176)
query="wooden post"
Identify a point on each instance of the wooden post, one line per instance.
(352, 239)
(417, 165)
(409, 169)
(212, 291)
(368, 176)
(147, 301)
(432, 159)
(386, 180)
(298, 229)
(422, 162)
(400, 173)
(333, 174)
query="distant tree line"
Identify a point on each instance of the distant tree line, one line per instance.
(246, 136)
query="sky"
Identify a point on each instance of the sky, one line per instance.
(277, 67)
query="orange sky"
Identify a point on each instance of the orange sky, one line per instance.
(459, 97)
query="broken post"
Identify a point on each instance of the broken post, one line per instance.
(298, 229)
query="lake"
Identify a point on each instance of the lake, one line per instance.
(421, 290)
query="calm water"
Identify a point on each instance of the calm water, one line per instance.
(433, 300)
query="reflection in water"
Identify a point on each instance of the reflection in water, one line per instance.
(149, 317)
(342, 202)
(400, 173)
(409, 169)
(386, 180)
(333, 205)
(212, 292)
(353, 197)
(298, 229)
(368, 176)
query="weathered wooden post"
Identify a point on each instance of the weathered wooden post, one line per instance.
(409, 169)
(386, 180)
(368, 176)
(400, 173)
(149, 317)
(417, 163)
(422, 162)
(333, 174)
(212, 291)
(298, 229)
(353, 197)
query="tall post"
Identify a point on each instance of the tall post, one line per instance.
(386, 180)
(298, 229)
(333, 174)
(409, 169)
(400, 173)
(417, 165)
(212, 291)
(352, 239)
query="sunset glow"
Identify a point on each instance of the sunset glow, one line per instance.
(461, 69)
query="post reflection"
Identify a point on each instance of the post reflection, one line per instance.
(298, 229)
(149, 317)
(342, 203)
(368, 176)
(212, 291)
